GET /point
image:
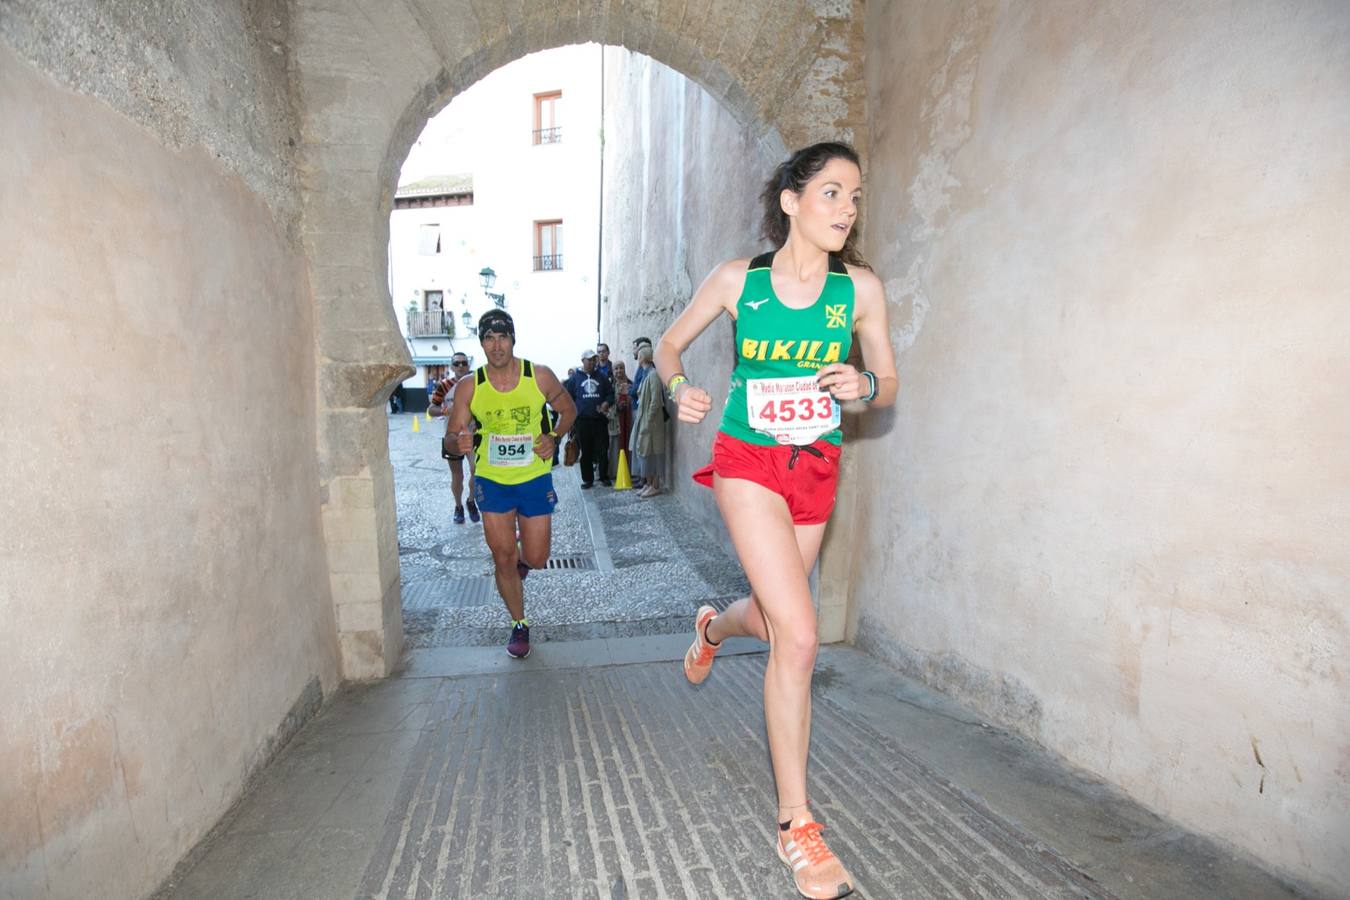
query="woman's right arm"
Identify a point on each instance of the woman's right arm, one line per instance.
(717, 294)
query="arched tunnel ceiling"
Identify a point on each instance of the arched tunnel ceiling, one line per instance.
(367, 81)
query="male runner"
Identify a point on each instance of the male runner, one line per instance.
(514, 445)
(440, 406)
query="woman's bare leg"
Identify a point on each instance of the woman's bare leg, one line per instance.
(743, 618)
(765, 540)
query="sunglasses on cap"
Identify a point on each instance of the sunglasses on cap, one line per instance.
(496, 321)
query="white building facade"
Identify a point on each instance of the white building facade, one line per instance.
(507, 178)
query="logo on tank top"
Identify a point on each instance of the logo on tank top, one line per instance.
(806, 354)
(836, 315)
(756, 304)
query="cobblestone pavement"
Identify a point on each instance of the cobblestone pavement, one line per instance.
(657, 566)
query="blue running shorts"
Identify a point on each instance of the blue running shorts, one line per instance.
(535, 497)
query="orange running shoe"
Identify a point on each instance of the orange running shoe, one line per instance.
(698, 661)
(817, 872)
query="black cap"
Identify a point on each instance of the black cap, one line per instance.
(497, 321)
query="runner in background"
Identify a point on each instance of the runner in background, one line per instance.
(441, 399)
(513, 443)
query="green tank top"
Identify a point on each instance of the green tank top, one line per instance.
(778, 350)
(508, 423)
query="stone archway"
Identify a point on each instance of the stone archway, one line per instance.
(367, 81)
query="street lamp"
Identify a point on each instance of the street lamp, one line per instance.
(488, 279)
(467, 318)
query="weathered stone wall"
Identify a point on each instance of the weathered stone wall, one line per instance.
(208, 75)
(163, 588)
(1110, 508)
(682, 179)
(683, 174)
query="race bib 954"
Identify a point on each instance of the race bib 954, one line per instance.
(510, 449)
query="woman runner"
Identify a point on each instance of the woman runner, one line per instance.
(775, 458)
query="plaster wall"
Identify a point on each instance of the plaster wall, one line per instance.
(163, 585)
(1111, 504)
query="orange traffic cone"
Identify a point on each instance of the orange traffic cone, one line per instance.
(417, 423)
(623, 481)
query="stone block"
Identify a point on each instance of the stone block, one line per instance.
(351, 245)
(352, 492)
(350, 523)
(387, 542)
(357, 587)
(354, 556)
(360, 617)
(351, 159)
(392, 603)
(363, 386)
(363, 655)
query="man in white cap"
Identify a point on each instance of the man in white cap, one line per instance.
(593, 395)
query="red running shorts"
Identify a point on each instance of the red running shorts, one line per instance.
(806, 477)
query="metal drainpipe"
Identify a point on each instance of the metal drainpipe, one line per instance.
(600, 237)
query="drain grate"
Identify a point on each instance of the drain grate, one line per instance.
(450, 593)
(572, 563)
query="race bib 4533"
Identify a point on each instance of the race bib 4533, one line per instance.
(791, 410)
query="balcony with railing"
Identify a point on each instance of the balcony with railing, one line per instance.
(430, 323)
(548, 135)
(548, 263)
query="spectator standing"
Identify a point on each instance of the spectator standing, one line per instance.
(642, 371)
(649, 430)
(602, 363)
(639, 374)
(593, 395)
(621, 422)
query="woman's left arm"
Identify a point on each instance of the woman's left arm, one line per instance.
(874, 335)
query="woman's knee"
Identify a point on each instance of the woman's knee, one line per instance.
(795, 645)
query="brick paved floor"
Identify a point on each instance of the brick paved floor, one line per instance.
(619, 781)
(594, 770)
(627, 781)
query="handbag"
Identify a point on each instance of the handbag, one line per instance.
(572, 451)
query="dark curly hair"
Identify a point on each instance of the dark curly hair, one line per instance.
(792, 175)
